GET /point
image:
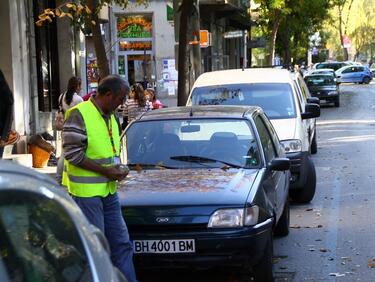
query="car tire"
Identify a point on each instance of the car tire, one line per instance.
(282, 227)
(263, 270)
(314, 145)
(306, 193)
(366, 80)
(337, 102)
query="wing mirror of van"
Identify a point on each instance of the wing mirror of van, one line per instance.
(311, 111)
(313, 100)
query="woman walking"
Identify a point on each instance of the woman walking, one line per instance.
(67, 100)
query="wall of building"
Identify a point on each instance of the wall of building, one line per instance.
(163, 41)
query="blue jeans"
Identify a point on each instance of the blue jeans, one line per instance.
(105, 213)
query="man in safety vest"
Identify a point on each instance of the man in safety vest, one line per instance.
(91, 144)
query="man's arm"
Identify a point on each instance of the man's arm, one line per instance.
(75, 143)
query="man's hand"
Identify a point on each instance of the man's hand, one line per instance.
(116, 173)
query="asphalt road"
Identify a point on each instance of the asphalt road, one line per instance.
(333, 237)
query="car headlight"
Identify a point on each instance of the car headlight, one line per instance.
(225, 218)
(332, 93)
(292, 146)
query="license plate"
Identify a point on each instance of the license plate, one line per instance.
(164, 246)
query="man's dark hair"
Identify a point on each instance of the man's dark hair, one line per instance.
(112, 83)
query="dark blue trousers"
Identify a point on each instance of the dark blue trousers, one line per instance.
(105, 213)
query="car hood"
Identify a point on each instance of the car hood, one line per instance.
(285, 128)
(187, 187)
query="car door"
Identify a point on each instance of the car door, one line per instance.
(348, 75)
(275, 181)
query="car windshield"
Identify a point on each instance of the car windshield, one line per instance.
(334, 66)
(39, 241)
(192, 143)
(276, 99)
(319, 80)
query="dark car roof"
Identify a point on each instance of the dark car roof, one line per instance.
(220, 111)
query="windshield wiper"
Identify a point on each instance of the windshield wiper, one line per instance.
(140, 166)
(202, 160)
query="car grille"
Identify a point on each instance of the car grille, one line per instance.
(172, 228)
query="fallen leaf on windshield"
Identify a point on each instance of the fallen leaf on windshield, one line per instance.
(295, 226)
(309, 209)
(323, 250)
(138, 168)
(371, 263)
(225, 167)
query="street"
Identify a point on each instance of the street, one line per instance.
(330, 239)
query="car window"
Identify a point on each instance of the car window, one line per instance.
(265, 139)
(349, 70)
(299, 96)
(272, 131)
(319, 80)
(276, 99)
(39, 241)
(230, 140)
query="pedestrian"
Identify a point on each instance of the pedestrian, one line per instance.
(68, 100)
(135, 105)
(156, 104)
(7, 136)
(91, 143)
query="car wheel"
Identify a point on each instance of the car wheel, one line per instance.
(282, 227)
(306, 193)
(366, 80)
(263, 270)
(337, 102)
(314, 145)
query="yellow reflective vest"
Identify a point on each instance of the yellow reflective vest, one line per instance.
(86, 183)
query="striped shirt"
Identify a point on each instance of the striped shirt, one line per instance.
(132, 109)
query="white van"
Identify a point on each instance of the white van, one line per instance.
(286, 100)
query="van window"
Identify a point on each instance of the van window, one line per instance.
(276, 99)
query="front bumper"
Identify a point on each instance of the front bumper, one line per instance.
(298, 169)
(213, 247)
(323, 95)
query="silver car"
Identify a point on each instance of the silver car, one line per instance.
(44, 235)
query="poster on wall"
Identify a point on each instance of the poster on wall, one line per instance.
(92, 74)
(170, 76)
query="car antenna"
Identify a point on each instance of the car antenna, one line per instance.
(191, 112)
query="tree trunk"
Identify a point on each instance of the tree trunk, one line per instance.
(101, 55)
(183, 72)
(275, 28)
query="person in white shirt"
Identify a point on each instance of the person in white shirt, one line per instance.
(68, 100)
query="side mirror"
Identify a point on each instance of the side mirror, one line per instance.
(279, 164)
(313, 100)
(311, 111)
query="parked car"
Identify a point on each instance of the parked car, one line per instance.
(44, 235)
(354, 74)
(331, 65)
(207, 187)
(324, 87)
(322, 71)
(372, 69)
(286, 100)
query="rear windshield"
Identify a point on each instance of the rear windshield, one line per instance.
(319, 80)
(334, 66)
(276, 99)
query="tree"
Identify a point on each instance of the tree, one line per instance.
(84, 14)
(343, 22)
(304, 19)
(272, 12)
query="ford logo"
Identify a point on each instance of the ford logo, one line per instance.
(162, 219)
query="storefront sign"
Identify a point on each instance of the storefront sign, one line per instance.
(135, 45)
(134, 26)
